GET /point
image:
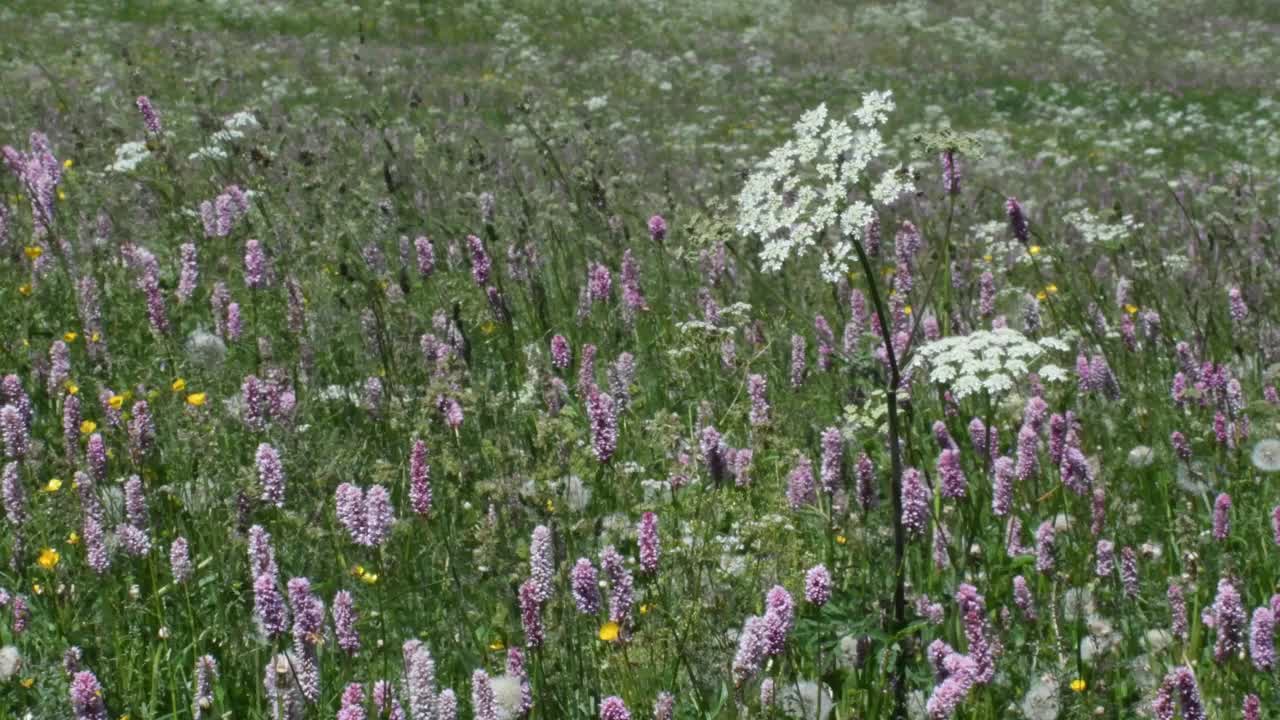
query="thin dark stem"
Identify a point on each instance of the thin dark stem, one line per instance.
(895, 459)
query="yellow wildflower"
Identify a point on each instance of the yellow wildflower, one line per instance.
(24, 289)
(1051, 288)
(73, 538)
(369, 578)
(72, 388)
(179, 385)
(54, 485)
(1034, 249)
(1079, 685)
(609, 631)
(1131, 309)
(27, 682)
(48, 558)
(33, 251)
(196, 399)
(1042, 295)
(69, 336)
(841, 540)
(87, 427)
(68, 163)
(497, 646)
(116, 402)
(488, 327)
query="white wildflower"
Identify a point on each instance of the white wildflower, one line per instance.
(129, 156)
(577, 495)
(876, 107)
(10, 662)
(800, 192)
(805, 700)
(1094, 230)
(990, 360)
(506, 693)
(243, 120)
(1266, 455)
(1141, 456)
(206, 349)
(1041, 701)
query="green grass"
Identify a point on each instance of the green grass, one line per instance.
(392, 119)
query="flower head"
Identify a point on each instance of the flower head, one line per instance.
(800, 190)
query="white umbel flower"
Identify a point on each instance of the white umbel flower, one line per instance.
(802, 189)
(129, 156)
(988, 360)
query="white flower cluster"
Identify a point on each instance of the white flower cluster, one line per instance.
(803, 188)
(1095, 231)
(988, 360)
(129, 156)
(234, 128)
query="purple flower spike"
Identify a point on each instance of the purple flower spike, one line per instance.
(647, 539)
(800, 487)
(621, 587)
(915, 503)
(954, 484)
(603, 415)
(270, 475)
(757, 390)
(87, 697)
(614, 709)
(1044, 547)
(1229, 621)
(832, 468)
(149, 116)
(1222, 517)
(1017, 221)
(1023, 599)
(583, 582)
(1177, 611)
(542, 566)
(531, 614)
(419, 479)
(657, 228)
(1262, 639)
(561, 354)
(817, 585)
(344, 622)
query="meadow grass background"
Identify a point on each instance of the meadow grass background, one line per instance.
(582, 120)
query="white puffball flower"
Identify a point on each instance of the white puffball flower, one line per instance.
(1266, 455)
(805, 700)
(10, 662)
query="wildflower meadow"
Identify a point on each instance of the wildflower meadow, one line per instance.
(664, 359)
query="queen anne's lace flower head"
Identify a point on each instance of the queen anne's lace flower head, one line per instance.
(801, 190)
(990, 360)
